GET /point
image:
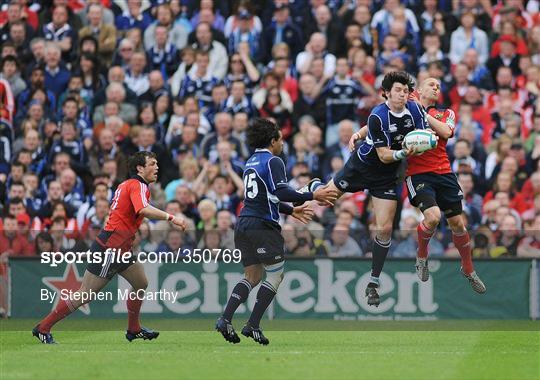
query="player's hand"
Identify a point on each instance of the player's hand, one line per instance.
(414, 97)
(352, 141)
(435, 134)
(325, 196)
(179, 223)
(412, 151)
(303, 213)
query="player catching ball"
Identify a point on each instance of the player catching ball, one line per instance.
(258, 233)
(374, 165)
(433, 187)
(129, 206)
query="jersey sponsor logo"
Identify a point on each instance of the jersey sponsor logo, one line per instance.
(261, 251)
(390, 192)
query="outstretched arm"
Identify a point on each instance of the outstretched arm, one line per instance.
(152, 212)
(285, 193)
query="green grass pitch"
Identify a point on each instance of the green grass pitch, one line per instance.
(299, 349)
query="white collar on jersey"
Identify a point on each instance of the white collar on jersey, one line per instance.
(398, 114)
(262, 150)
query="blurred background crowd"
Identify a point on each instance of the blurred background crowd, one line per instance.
(86, 83)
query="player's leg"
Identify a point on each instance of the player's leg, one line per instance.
(134, 274)
(246, 230)
(349, 179)
(265, 295)
(385, 210)
(449, 197)
(423, 196)
(462, 242)
(252, 277)
(91, 284)
(272, 257)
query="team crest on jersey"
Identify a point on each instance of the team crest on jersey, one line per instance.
(343, 184)
(408, 123)
(392, 128)
(439, 116)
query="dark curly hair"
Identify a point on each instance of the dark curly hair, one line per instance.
(396, 77)
(139, 159)
(261, 132)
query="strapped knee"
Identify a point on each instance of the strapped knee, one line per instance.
(274, 275)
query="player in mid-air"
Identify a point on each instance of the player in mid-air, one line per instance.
(374, 165)
(258, 234)
(129, 206)
(432, 187)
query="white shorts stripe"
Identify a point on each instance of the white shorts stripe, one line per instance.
(106, 264)
(410, 187)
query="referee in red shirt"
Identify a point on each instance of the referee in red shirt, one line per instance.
(129, 206)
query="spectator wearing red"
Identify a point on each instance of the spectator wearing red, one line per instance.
(13, 242)
(508, 30)
(505, 183)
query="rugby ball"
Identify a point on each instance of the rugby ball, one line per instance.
(423, 140)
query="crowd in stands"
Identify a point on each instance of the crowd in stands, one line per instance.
(86, 83)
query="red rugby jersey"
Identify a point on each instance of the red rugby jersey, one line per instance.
(435, 160)
(130, 197)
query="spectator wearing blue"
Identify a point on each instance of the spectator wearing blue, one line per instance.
(73, 196)
(281, 30)
(199, 81)
(176, 34)
(384, 18)
(33, 145)
(56, 75)
(342, 98)
(208, 5)
(71, 144)
(241, 68)
(70, 112)
(244, 31)
(238, 101)
(37, 81)
(163, 55)
(61, 163)
(59, 31)
(219, 97)
(223, 133)
(133, 17)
